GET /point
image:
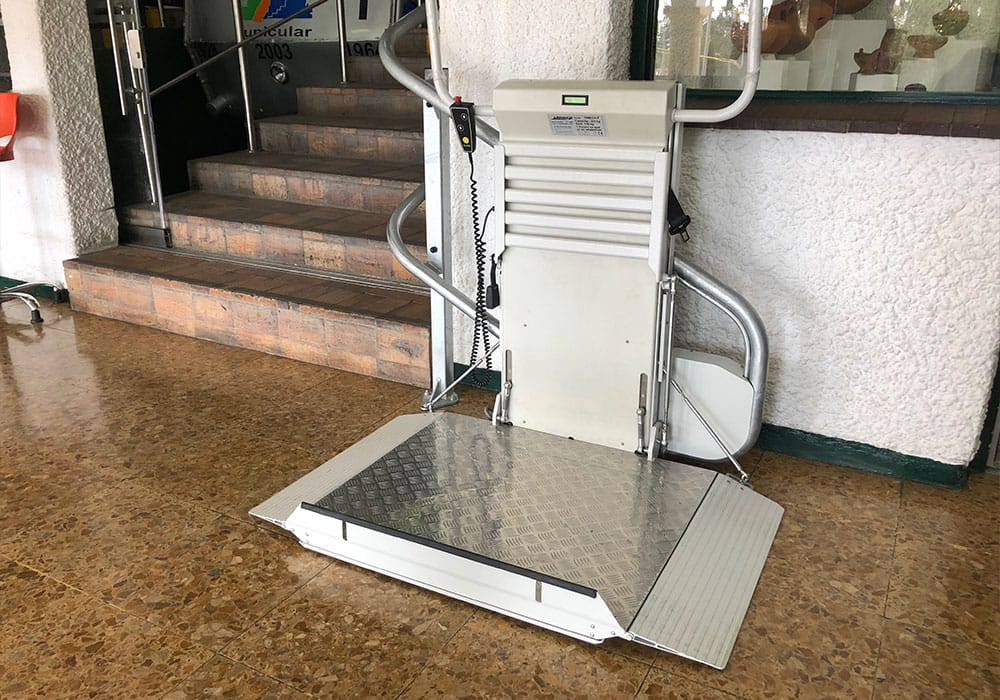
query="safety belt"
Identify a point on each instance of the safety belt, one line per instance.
(677, 220)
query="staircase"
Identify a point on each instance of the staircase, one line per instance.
(283, 250)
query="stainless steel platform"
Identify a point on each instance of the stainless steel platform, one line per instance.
(672, 551)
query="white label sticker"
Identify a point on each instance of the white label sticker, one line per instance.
(578, 125)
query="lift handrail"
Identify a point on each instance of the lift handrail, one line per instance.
(750, 325)
(712, 116)
(421, 270)
(390, 59)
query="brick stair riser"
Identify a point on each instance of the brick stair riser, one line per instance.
(365, 194)
(351, 102)
(412, 45)
(371, 71)
(376, 347)
(310, 139)
(289, 246)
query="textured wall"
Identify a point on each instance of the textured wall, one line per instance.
(873, 259)
(55, 197)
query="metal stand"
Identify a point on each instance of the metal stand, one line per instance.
(20, 293)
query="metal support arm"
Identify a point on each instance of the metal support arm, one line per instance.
(424, 90)
(750, 325)
(425, 273)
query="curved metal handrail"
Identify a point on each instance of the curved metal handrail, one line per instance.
(390, 59)
(424, 272)
(750, 325)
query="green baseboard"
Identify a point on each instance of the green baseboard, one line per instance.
(491, 377)
(43, 292)
(846, 453)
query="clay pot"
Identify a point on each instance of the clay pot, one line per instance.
(773, 37)
(849, 7)
(951, 20)
(926, 44)
(820, 13)
(780, 25)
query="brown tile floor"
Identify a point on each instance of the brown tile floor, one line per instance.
(129, 568)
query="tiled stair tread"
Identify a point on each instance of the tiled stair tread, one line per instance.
(358, 299)
(362, 88)
(285, 214)
(324, 165)
(368, 122)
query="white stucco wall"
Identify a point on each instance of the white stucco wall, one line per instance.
(874, 260)
(55, 197)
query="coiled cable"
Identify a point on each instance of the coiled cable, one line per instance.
(481, 329)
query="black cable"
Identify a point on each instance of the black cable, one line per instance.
(481, 328)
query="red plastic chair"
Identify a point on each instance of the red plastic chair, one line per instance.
(8, 124)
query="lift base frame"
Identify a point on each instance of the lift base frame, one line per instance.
(580, 539)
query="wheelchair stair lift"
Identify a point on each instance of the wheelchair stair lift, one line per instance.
(560, 511)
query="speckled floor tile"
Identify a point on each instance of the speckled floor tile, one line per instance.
(332, 415)
(837, 535)
(919, 663)
(668, 686)
(224, 678)
(53, 495)
(838, 560)
(198, 574)
(56, 642)
(948, 587)
(969, 516)
(793, 644)
(495, 656)
(227, 471)
(351, 633)
(809, 487)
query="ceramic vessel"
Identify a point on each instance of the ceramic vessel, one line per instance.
(884, 59)
(926, 44)
(951, 20)
(820, 12)
(784, 30)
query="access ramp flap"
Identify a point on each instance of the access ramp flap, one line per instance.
(697, 604)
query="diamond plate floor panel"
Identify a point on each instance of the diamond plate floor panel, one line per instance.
(588, 515)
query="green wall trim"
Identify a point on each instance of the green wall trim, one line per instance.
(44, 292)
(846, 453)
(493, 377)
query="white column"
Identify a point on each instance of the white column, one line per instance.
(56, 200)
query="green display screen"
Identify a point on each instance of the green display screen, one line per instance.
(581, 100)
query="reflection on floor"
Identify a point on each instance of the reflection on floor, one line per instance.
(129, 568)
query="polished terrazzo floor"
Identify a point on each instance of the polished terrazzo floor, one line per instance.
(129, 567)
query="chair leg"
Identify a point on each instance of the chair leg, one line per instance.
(59, 293)
(29, 301)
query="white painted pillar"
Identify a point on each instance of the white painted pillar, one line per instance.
(56, 199)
